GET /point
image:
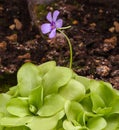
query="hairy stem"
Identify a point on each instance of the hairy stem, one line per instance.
(64, 28)
(70, 46)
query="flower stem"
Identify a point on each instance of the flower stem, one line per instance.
(70, 46)
(64, 28)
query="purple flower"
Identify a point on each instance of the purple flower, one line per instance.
(53, 24)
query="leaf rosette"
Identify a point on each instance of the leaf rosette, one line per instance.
(49, 97)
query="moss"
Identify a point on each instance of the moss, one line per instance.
(41, 10)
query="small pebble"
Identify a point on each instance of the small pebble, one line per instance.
(103, 70)
(12, 27)
(25, 56)
(3, 45)
(101, 11)
(75, 22)
(111, 29)
(18, 24)
(116, 24)
(12, 37)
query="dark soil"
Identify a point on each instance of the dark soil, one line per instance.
(94, 34)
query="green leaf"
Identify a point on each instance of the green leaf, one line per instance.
(116, 92)
(74, 90)
(13, 91)
(75, 112)
(59, 125)
(115, 105)
(4, 99)
(56, 78)
(48, 123)
(104, 90)
(1, 116)
(15, 121)
(1, 128)
(52, 104)
(97, 102)
(112, 122)
(87, 103)
(85, 81)
(104, 111)
(96, 123)
(17, 128)
(36, 97)
(28, 78)
(45, 67)
(67, 125)
(18, 107)
(58, 129)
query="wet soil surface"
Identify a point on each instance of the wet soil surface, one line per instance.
(94, 35)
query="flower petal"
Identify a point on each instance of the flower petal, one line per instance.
(53, 33)
(59, 23)
(55, 14)
(49, 17)
(46, 28)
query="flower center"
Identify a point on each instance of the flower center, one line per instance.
(53, 25)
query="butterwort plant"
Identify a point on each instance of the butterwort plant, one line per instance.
(50, 97)
(54, 24)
